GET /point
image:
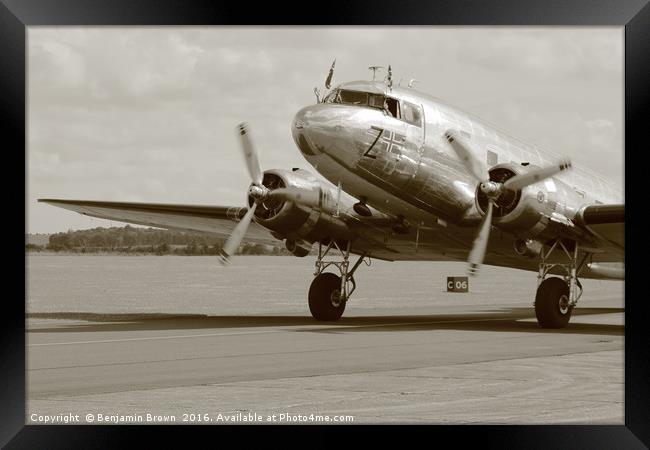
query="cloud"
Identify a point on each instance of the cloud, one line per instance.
(150, 113)
(546, 53)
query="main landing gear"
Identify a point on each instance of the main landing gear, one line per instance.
(329, 292)
(556, 297)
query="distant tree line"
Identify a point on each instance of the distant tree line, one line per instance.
(134, 240)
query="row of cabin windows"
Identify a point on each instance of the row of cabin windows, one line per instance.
(408, 112)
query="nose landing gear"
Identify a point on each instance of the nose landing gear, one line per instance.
(329, 293)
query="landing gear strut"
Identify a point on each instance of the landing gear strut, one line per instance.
(329, 292)
(556, 297)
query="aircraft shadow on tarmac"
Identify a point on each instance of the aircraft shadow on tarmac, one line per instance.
(500, 320)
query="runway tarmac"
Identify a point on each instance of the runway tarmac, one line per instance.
(490, 366)
(129, 336)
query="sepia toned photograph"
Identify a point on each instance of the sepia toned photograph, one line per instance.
(325, 225)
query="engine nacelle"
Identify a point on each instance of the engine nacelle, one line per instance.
(297, 222)
(524, 212)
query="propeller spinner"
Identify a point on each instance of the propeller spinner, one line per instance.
(493, 190)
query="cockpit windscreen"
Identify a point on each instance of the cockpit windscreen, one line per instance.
(353, 98)
(358, 98)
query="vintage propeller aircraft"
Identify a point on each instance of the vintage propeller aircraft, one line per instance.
(411, 178)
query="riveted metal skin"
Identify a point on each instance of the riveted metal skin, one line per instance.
(406, 167)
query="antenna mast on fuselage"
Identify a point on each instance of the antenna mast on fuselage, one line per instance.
(389, 78)
(374, 70)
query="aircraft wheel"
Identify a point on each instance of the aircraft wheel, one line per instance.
(325, 301)
(552, 303)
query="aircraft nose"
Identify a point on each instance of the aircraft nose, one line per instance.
(326, 128)
(305, 130)
(299, 119)
(299, 129)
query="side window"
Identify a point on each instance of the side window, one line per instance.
(392, 106)
(411, 114)
(376, 101)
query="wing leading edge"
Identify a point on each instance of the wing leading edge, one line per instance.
(219, 220)
(606, 222)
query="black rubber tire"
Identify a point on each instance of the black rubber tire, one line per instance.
(547, 303)
(320, 297)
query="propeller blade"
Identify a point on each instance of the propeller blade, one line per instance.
(297, 195)
(479, 246)
(472, 164)
(525, 179)
(250, 155)
(237, 235)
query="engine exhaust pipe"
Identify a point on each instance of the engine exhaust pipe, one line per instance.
(529, 248)
(298, 247)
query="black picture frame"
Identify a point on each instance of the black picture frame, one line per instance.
(634, 15)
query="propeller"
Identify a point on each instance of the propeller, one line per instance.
(231, 245)
(493, 191)
(479, 246)
(250, 155)
(521, 181)
(297, 195)
(256, 190)
(260, 193)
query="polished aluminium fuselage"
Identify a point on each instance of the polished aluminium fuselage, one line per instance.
(411, 171)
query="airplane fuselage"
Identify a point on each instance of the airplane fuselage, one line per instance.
(396, 158)
(407, 167)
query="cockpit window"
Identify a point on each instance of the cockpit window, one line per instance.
(392, 106)
(376, 101)
(411, 114)
(387, 104)
(353, 98)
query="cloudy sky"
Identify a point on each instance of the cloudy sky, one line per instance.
(149, 114)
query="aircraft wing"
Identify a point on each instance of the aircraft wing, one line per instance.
(606, 223)
(219, 220)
